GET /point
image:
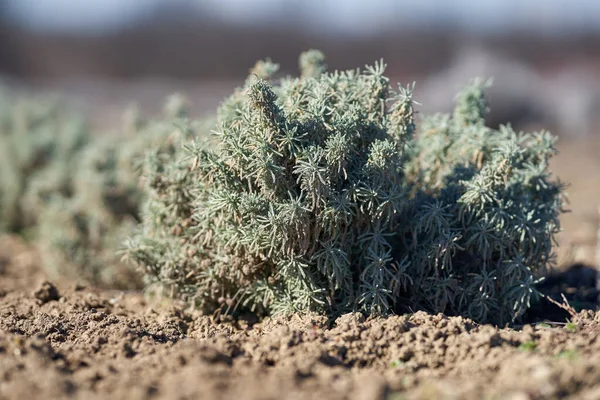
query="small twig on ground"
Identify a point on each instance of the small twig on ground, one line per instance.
(565, 305)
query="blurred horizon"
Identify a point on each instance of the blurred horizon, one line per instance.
(544, 55)
(352, 17)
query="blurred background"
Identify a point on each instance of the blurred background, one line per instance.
(544, 56)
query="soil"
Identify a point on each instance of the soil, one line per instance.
(63, 340)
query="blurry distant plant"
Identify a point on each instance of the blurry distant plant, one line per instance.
(76, 195)
(312, 64)
(319, 197)
(39, 143)
(81, 233)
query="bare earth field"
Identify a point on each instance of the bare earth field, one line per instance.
(63, 340)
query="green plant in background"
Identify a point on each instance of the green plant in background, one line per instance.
(40, 140)
(312, 64)
(76, 195)
(570, 355)
(319, 197)
(81, 233)
(529, 346)
(571, 327)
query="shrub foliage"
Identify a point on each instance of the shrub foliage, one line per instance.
(75, 194)
(320, 197)
(479, 231)
(81, 234)
(40, 140)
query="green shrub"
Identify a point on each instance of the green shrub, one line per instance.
(81, 233)
(75, 194)
(39, 142)
(320, 198)
(480, 229)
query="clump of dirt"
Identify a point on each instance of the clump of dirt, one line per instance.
(86, 343)
(46, 292)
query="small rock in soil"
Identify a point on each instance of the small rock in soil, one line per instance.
(46, 292)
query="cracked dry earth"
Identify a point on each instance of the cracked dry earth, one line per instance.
(60, 340)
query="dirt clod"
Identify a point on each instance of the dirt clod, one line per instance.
(46, 292)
